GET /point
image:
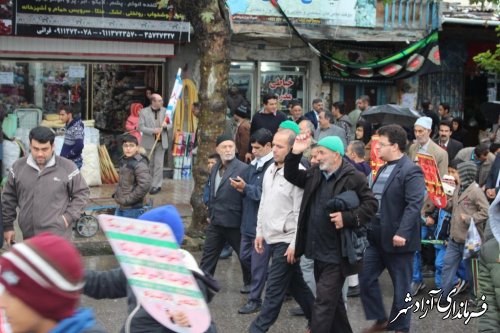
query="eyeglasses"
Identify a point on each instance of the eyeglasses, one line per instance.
(381, 144)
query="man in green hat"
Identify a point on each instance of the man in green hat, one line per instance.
(315, 236)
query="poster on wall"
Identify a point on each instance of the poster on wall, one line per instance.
(352, 13)
(98, 19)
(287, 87)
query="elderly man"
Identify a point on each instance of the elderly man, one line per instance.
(224, 208)
(154, 124)
(393, 233)
(320, 231)
(424, 145)
(327, 128)
(49, 191)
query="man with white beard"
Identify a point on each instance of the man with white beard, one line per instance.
(224, 208)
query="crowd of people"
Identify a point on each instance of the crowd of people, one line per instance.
(310, 219)
(298, 200)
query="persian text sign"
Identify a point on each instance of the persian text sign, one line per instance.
(361, 13)
(98, 19)
(433, 183)
(154, 266)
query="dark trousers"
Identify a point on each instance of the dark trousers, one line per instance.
(329, 312)
(257, 263)
(400, 268)
(215, 239)
(282, 277)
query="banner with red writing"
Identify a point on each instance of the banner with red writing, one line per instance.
(156, 271)
(433, 183)
(375, 162)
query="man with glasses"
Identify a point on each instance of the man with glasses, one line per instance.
(394, 232)
(154, 125)
(135, 179)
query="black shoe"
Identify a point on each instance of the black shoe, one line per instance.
(250, 307)
(417, 287)
(296, 311)
(246, 289)
(353, 291)
(226, 253)
(155, 190)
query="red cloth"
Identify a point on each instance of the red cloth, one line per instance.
(132, 123)
(24, 272)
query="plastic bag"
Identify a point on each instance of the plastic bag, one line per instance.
(472, 242)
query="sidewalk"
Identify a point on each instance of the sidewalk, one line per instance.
(174, 192)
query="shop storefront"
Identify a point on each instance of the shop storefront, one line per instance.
(98, 57)
(285, 79)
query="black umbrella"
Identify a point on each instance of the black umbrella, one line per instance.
(490, 111)
(391, 114)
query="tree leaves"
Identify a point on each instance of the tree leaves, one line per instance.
(207, 17)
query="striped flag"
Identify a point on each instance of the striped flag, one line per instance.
(174, 97)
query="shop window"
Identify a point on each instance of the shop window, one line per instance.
(286, 80)
(116, 86)
(241, 77)
(43, 85)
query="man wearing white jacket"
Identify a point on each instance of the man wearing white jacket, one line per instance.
(276, 224)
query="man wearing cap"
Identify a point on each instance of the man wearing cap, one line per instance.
(276, 226)
(424, 145)
(393, 232)
(42, 281)
(153, 121)
(224, 208)
(319, 230)
(242, 135)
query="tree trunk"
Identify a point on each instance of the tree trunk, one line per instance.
(210, 21)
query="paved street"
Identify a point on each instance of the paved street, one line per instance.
(224, 307)
(112, 313)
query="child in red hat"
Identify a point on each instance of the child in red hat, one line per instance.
(41, 281)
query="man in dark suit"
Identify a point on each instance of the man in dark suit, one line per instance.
(493, 181)
(445, 141)
(394, 233)
(313, 115)
(224, 208)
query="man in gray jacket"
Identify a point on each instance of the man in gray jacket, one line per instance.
(49, 191)
(153, 122)
(327, 128)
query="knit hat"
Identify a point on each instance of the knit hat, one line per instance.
(46, 273)
(425, 122)
(467, 173)
(242, 111)
(291, 125)
(223, 137)
(334, 143)
(168, 215)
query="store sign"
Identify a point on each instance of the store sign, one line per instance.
(76, 71)
(98, 19)
(360, 13)
(6, 78)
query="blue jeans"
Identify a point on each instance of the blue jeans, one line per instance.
(132, 213)
(439, 263)
(452, 260)
(417, 259)
(399, 266)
